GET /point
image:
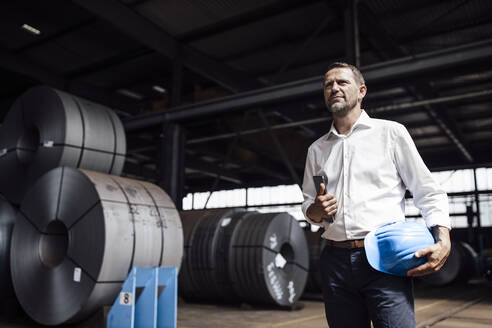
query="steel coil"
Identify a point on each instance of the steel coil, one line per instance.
(205, 272)
(47, 128)
(269, 259)
(7, 219)
(470, 267)
(79, 234)
(461, 264)
(189, 219)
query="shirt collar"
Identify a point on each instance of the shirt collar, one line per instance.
(363, 121)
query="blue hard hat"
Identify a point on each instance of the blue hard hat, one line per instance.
(391, 248)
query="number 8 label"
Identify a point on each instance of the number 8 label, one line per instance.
(125, 298)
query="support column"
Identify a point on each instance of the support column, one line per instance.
(171, 163)
(479, 236)
(470, 216)
(172, 146)
(351, 28)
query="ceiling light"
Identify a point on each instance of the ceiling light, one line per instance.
(31, 29)
(158, 88)
(130, 94)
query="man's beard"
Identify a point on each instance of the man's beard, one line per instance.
(341, 108)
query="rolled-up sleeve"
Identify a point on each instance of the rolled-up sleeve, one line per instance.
(428, 195)
(308, 188)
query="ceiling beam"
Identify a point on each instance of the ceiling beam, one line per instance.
(16, 63)
(152, 36)
(447, 125)
(418, 65)
(265, 167)
(377, 36)
(38, 74)
(141, 29)
(266, 11)
(383, 37)
(192, 163)
(398, 108)
(211, 169)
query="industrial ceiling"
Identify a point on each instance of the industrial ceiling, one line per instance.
(243, 77)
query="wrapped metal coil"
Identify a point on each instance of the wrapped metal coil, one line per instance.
(205, 272)
(269, 259)
(7, 219)
(235, 255)
(461, 265)
(47, 128)
(189, 220)
(316, 245)
(79, 234)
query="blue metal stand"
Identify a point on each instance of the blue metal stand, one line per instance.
(147, 299)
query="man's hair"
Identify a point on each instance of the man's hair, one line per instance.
(357, 74)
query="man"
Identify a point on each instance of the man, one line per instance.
(368, 164)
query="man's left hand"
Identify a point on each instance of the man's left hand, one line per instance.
(436, 255)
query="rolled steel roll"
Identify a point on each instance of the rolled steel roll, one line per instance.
(79, 234)
(470, 267)
(205, 272)
(316, 245)
(269, 259)
(7, 219)
(460, 265)
(46, 128)
(189, 219)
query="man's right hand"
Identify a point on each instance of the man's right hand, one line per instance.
(324, 206)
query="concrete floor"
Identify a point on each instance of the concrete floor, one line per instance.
(457, 306)
(464, 306)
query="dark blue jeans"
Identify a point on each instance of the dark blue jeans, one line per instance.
(355, 294)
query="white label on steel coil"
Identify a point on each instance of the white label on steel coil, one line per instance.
(274, 281)
(292, 291)
(225, 222)
(126, 298)
(273, 241)
(77, 272)
(280, 261)
(48, 143)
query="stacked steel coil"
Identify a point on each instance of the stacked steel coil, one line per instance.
(80, 233)
(205, 262)
(243, 256)
(47, 128)
(186, 285)
(461, 265)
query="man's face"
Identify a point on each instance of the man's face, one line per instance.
(342, 93)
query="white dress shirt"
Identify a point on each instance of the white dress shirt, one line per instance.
(367, 172)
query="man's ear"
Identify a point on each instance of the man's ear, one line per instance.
(362, 92)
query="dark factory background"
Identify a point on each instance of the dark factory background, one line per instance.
(240, 80)
(220, 99)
